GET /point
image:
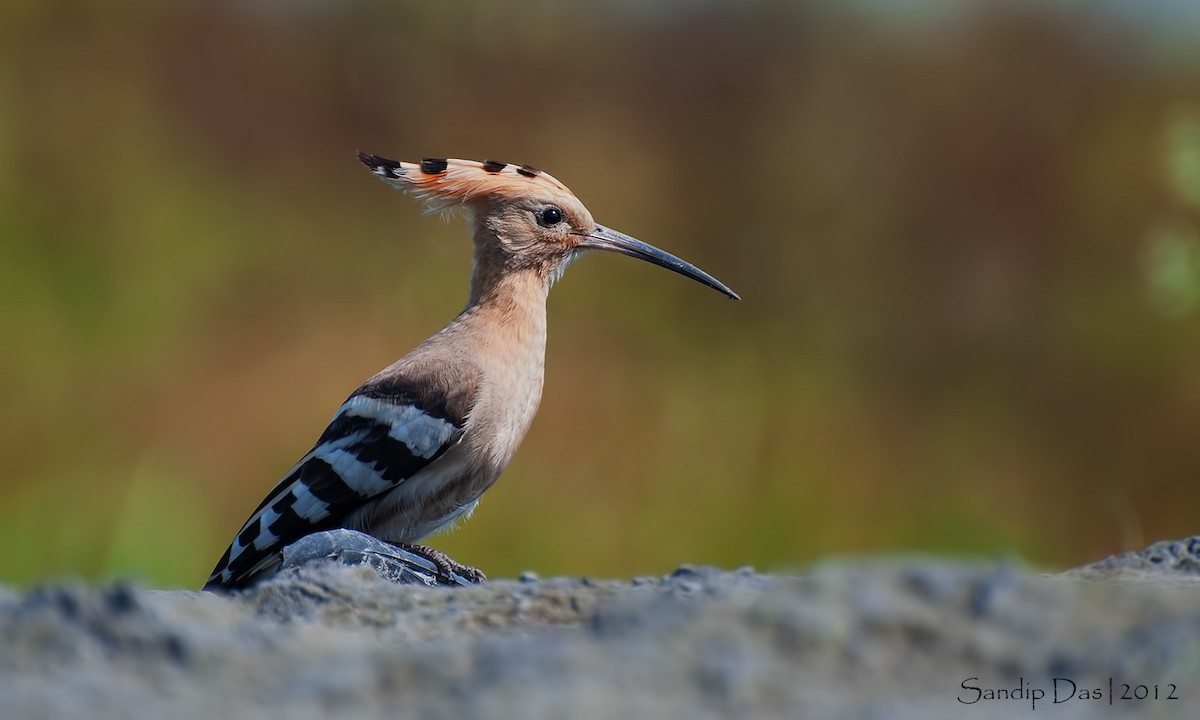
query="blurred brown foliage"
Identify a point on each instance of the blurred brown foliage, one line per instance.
(968, 247)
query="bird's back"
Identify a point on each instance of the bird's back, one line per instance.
(370, 470)
(413, 448)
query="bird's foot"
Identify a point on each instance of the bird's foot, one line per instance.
(447, 566)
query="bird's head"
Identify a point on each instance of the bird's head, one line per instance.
(524, 219)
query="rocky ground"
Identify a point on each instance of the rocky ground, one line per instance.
(876, 638)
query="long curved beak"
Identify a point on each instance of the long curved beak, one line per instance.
(608, 239)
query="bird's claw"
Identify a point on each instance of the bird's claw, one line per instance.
(447, 566)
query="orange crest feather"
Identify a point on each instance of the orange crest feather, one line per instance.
(444, 183)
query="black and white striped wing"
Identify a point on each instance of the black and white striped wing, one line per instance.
(382, 435)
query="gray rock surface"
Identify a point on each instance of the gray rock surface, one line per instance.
(350, 547)
(884, 638)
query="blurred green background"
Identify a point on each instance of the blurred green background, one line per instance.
(967, 235)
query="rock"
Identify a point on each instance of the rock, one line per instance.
(1172, 558)
(350, 547)
(878, 638)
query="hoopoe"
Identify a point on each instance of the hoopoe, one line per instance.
(414, 447)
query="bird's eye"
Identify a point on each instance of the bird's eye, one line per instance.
(549, 216)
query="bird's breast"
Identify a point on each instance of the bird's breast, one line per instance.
(508, 401)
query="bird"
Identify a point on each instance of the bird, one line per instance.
(412, 449)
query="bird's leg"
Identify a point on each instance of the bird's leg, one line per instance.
(447, 566)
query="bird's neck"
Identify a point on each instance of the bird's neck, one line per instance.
(502, 290)
(507, 321)
(511, 305)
